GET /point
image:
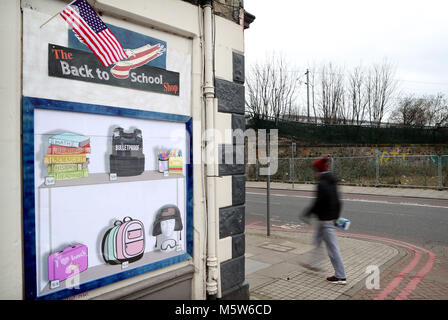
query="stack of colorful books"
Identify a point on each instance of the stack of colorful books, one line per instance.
(67, 156)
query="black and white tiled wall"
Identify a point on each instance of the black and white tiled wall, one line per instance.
(230, 95)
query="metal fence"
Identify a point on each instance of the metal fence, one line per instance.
(352, 134)
(423, 171)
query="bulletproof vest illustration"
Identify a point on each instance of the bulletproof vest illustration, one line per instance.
(127, 158)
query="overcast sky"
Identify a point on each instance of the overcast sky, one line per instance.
(412, 35)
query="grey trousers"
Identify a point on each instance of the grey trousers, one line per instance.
(326, 233)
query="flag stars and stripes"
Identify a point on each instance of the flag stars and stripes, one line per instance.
(94, 33)
(90, 16)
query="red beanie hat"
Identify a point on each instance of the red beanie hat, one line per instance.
(321, 165)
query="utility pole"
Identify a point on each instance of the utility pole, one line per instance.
(308, 94)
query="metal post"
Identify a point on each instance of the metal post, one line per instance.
(377, 165)
(290, 170)
(439, 171)
(257, 170)
(268, 188)
(293, 174)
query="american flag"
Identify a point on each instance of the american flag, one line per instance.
(95, 34)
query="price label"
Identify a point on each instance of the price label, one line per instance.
(54, 284)
(49, 181)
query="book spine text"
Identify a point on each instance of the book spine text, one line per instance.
(64, 167)
(54, 149)
(84, 173)
(55, 158)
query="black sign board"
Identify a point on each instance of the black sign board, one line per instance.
(80, 65)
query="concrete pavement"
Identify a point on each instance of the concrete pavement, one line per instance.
(405, 271)
(273, 270)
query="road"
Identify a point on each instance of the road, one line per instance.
(415, 220)
(416, 227)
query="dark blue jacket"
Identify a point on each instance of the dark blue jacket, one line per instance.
(327, 205)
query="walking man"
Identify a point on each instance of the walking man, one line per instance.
(326, 207)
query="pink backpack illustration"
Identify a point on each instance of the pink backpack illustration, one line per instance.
(125, 242)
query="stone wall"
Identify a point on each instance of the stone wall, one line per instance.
(360, 150)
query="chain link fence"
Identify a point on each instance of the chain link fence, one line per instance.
(423, 171)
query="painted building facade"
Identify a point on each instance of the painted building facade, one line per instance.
(191, 83)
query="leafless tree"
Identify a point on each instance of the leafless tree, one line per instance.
(438, 112)
(356, 93)
(356, 97)
(421, 111)
(380, 88)
(258, 93)
(331, 102)
(272, 89)
(410, 111)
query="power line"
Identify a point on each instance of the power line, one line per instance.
(425, 82)
(344, 74)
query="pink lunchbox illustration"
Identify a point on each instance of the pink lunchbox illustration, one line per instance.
(66, 263)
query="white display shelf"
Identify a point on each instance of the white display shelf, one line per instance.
(105, 270)
(104, 178)
(60, 206)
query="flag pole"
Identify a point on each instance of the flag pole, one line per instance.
(56, 14)
(49, 20)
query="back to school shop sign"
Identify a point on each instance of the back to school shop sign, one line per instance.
(80, 65)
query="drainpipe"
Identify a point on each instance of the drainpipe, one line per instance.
(211, 159)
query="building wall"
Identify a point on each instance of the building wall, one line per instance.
(177, 22)
(11, 280)
(229, 89)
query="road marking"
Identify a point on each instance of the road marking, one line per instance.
(400, 276)
(257, 214)
(281, 195)
(277, 203)
(397, 203)
(288, 226)
(423, 205)
(412, 284)
(386, 213)
(355, 200)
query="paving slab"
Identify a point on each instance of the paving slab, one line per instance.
(274, 272)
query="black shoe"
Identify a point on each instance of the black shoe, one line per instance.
(336, 280)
